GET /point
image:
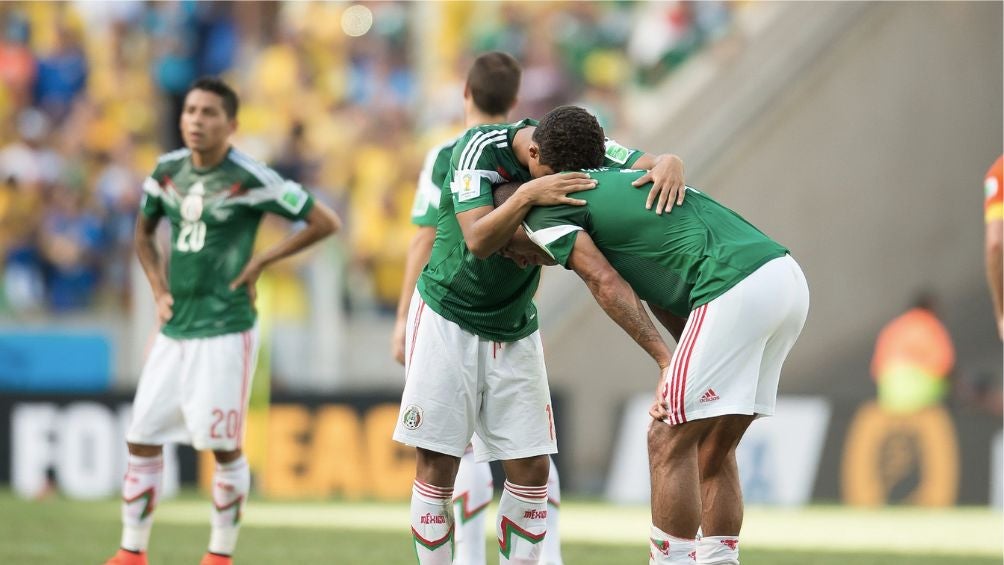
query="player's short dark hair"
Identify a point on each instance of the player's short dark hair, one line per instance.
(494, 81)
(221, 89)
(570, 138)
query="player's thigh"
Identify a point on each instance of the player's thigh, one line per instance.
(439, 402)
(156, 411)
(516, 419)
(218, 386)
(793, 306)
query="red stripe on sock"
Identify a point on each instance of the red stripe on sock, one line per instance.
(433, 491)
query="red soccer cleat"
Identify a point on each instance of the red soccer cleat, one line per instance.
(216, 559)
(125, 557)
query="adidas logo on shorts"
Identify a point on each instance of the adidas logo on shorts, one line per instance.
(709, 396)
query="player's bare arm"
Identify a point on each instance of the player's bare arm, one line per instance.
(665, 172)
(617, 298)
(321, 222)
(419, 252)
(149, 257)
(622, 304)
(487, 229)
(670, 321)
(995, 270)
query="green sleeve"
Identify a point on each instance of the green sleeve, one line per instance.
(152, 205)
(554, 229)
(425, 209)
(472, 169)
(272, 193)
(619, 157)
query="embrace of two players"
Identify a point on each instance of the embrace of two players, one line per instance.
(493, 206)
(506, 198)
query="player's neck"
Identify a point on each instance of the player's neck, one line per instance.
(210, 158)
(475, 118)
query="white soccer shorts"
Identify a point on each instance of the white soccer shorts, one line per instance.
(731, 351)
(457, 384)
(195, 391)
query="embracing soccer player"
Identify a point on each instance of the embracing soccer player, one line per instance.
(195, 384)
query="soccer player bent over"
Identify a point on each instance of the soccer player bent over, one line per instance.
(739, 299)
(195, 384)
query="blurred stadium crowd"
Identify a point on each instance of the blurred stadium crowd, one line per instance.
(92, 90)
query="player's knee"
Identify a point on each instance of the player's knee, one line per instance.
(529, 471)
(713, 457)
(436, 468)
(142, 450)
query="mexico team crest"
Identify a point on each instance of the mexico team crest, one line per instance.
(191, 206)
(412, 418)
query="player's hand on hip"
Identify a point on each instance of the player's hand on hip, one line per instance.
(554, 189)
(660, 410)
(397, 341)
(165, 307)
(668, 187)
(248, 278)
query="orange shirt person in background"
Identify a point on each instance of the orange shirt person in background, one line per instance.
(993, 211)
(914, 355)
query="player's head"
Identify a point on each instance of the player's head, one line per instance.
(568, 138)
(492, 83)
(209, 115)
(520, 249)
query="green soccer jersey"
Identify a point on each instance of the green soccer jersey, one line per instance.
(425, 209)
(214, 215)
(492, 298)
(677, 261)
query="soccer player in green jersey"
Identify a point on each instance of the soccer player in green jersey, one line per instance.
(733, 298)
(473, 357)
(195, 383)
(489, 94)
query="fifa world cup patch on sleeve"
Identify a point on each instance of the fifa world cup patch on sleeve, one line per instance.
(617, 152)
(467, 185)
(293, 197)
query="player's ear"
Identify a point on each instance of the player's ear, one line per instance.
(534, 150)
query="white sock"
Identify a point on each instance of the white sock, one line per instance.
(140, 495)
(231, 484)
(665, 549)
(718, 550)
(432, 523)
(552, 543)
(521, 524)
(473, 490)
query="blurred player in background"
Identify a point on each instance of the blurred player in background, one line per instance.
(994, 217)
(489, 94)
(733, 298)
(473, 359)
(195, 383)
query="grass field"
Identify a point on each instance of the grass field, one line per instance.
(340, 533)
